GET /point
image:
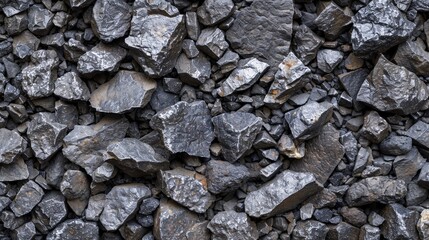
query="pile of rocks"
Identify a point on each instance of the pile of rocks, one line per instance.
(214, 119)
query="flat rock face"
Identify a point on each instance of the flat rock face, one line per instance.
(28, 196)
(188, 188)
(400, 222)
(286, 191)
(125, 91)
(375, 128)
(412, 55)
(49, 212)
(333, 20)
(17, 170)
(306, 43)
(233, 225)
(406, 166)
(390, 88)
(310, 229)
(101, 58)
(121, 203)
(110, 19)
(193, 71)
(379, 26)
(419, 132)
(375, 189)
(223, 176)
(264, 30)
(322, 154)
(236, 133)
(74, 229)
(12, 144)
(185, 127)
(212, 12)
(71, 87)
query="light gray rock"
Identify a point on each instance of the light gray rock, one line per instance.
(310, 229)
(17, 170)
(40, 19)
(423, 224)
(400, 222)
(111, 19)
(233, 225)
(51, 211)
(328, 60)
(12, 144)
(71, 87)
(101, 58)
(95, 207)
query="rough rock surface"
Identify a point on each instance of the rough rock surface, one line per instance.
(75, 229)
(233, 225)
(412, 55)
(28, 196)
(71, 87)
(102, 57)
(223, 176)
(12, 145)
(400, 222)
(110, 19)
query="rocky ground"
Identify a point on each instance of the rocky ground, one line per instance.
(214, 119)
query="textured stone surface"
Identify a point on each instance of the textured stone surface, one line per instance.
(75, 187)
(423, 224)
(185, 127)
(310, 229)
(12, 7)
(194, 71)
(25, 44)
(233, 225)
(101, 58)
(71, 87)
(125, 91)
(223, 176)
(400, 222)
(28, 196)
(12, 144)
(40, 19)
(396, 145)
(212, 42)
(375, 128)
(49, 212)
(212, 12)
(333, 20)
(25, 231)
(17, 170)
(328, 60)
(419, 132)
(306, 44)
(286, 191)
(406, 166)
(236, 133)
(74, 229)
(413, 56)
(110, 19)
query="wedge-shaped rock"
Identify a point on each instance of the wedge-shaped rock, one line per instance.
(375, 189)
(285, 192)
(49, 212)
(379, 26)
(212, 42)
(400, 222)
(289, 78)
(12, 144)
(136, 158)
(85, 145)
(71, 87)
(333, 20)
(413, 56)
(188, 188)
(15, 171)
(110, 19)
(122, 202)
(243, 77)
(212, 12)
(233, 225)
(407, 166)
(419, 132)
(125, 91)
(223, 176)
(75, 229)
(375, 128)
(390, 88)
(236, 132)
(307, 121)
(28, 196)
(185, 127)
(194, 71)
(306, 44)
(12, 7)
(101, 58)
(322, 154)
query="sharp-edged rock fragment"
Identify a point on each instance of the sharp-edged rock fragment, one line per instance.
(375, 128)
(400, 222)
(188, 188)
(291, 148)
(369, 232)
(419, 132)
(28, 196)
(423, 224)
(343, 231)
(285, 192)
(110, 19)
(25, 231)
(236, 132)
(413, 56)
(379, 26)
(390, 88)
(75, 229)
(75, 187)
(233, 225)
(223, 176)
(101, 58)
(212, 42)
(40, 19)
(125, 91)
(17, 170)
(375, 189)
(136, 158)
(406, 166)
(49, 212)
(212, 12)
(243, 77)
(95, 207)
(333, 20)
(25, 44)
(122, 203)
(71, 87)
(310, 229)
(79, 3)
(306, 44)
(12, 7)
(185, 127)
(12, 144)
(328, 60)
(396, 145)
(193, 71)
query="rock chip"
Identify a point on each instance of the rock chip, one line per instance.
(333, 20)
(212, 12)
(291, 148)
(412, 55)
(193, 71)
(25, 231)
(328, 60)
(406, 166)
(212, 42)
(75, 187)
(17, 170)
(185, 127)
(423, 224)
(310, 229)
(71, 87)
(12, 144)
(400, 222)
(125, 91)
(95, 207)
(28, 196)
(101, 58)
(375, 128)
(396, 145)
(233, 225)
(110, 19)
(306, 44)
(40, 19)
(223, 176)
(25, 44)
(49, 212)
(285, 192)
(236, 133)
(75, 229)
(419, 132)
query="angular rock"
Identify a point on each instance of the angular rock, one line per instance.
(40, 19)
(352, 81)
(322, 154)
(136, 158)
(416, 194)
(104, 172)
(423, 179)
(233, 225)
(95, 207)
(406, 166)
(243, 77)
(375, 128)
(101, 58)
(24, 232)
(212, 42)
(212, 12)
(379, 26)
(110, 19)
(45, 135)
(328, 60)
(264, 29)
(12, 7)
(25, 44)
(307, 121)
(291, 148)
(236, 133)
(189, 48)
(74, 229)
(122, 203)
(289, 78)
(73, 49)
(350, 145)
(38, 78)
(390, 88)
(12, 144)
(79, 3)
(185, 127)
(343, 231)
(71, 87)
(413, 56)
(333, 20)
(285, 192)
(423, 224)
(421, 5)
(17, 170)
(306, 44)
(396, 145)
(223, 176)
(194, 71)
(110, 97)
(368, 232)
(49, 212)
(28, 196)
(375, 189)
(310, 229)
(419, 132)
(188, 188)
(75, 187)
(400, 222)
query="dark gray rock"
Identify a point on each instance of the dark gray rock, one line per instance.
(415, 194)
(228, 61)
(25, 44)
(132, 230)
(101, 58)
(79, 3)
(352, 81)
(390, 88)
(232, 225)
(4, 202)
(185, 127)
(162, 99)
(75, 229)
(375, 189)
(188, 188)
(73, 49)
(25, 232)
(49, 212)
(75, 187)
(148, 206)
(368, 232)
(12, 144)
(192, 25)
(212, 42)
(28, 196)
(264, 29)
(375, 128)
(412, 55)
(423, 224)
(328, 60)
(289, 78)
(110, 97)
(406, 166)
(17, 170)
(95, 207)
(38, 78)
(310, 229)
(236, 132)
(400, 222)
(379, 26)
(285, 192)
(333, 20)
(71, 87)
(243, 77)
(40, 19)
(10, 221)
(350, 146)
(363, 157)
(375, 219)
(396, 145)
(12, 7)
(110, 19)
(306, 44)
(423, 179)
(212, 12)
(193, 71)
(122, 203)
(189, 48)
(223, 176)
(343, 231)
(419, 132)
